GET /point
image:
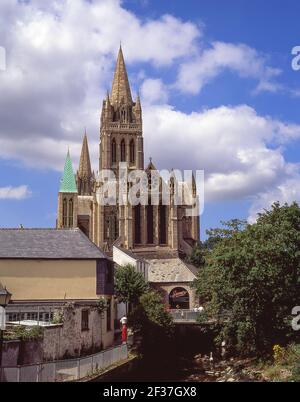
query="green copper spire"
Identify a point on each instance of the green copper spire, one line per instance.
(68, 183)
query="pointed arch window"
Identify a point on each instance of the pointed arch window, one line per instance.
(71, 209)
(123, 116)
(123, 151)
(137, 224)
(162, 224)
(65, 212)
(114, 151)
(132, 151)
(150, 227)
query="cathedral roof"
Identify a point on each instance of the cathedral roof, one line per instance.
(68, 182)
(47, 244)
(85, 170)
(121, 88)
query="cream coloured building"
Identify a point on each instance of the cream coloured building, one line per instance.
(52, 272)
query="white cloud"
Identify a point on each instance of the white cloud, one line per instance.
(60, 60)
(229, 143)
(154, 91)
(239, 58)
(14, 193)
(286, 191)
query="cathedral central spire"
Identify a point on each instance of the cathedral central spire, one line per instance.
(121, 88)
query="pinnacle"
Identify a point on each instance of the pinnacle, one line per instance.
(85, 169)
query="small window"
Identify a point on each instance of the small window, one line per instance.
(84, 320)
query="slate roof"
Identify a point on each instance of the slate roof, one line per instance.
(47, 244)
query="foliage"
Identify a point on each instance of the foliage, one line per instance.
(101, 305)
(24, 333)
(58, 317)
(228, 229)
(286, 365)
(129, 284)
(197, 257)
(152, 305)
(153, 324)
(253, 272)
(278, 353)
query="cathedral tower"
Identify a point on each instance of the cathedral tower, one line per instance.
(121, 133)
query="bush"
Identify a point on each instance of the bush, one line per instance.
(253, 272)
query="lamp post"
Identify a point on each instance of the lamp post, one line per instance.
(5, 297)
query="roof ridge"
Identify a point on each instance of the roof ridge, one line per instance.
(44, 229)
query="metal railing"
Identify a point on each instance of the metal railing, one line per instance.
(65, 370)
(184, 315)
(191, 316)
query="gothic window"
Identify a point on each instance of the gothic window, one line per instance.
(113, 228)
(123, 151)
(150, 237)
(71, 208)
(162, 224)
(124, 115)
(65, 212)
(106, 229)
(113, 151)
(132, 151)
(137, 224)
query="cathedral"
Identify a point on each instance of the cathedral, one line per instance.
(160, 235)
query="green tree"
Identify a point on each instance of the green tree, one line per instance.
(228, 229)
(129, 285)
(154, 325)
(197, 257)
(254, 274)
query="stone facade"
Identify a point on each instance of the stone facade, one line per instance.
(146, 230)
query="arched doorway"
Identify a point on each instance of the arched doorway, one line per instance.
(179, 298)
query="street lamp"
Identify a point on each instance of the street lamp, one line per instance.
(5, 297)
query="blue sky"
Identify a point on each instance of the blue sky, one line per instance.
(217, 88)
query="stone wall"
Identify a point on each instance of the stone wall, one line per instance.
(65, 340)
(69, 340)
(10, 353)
